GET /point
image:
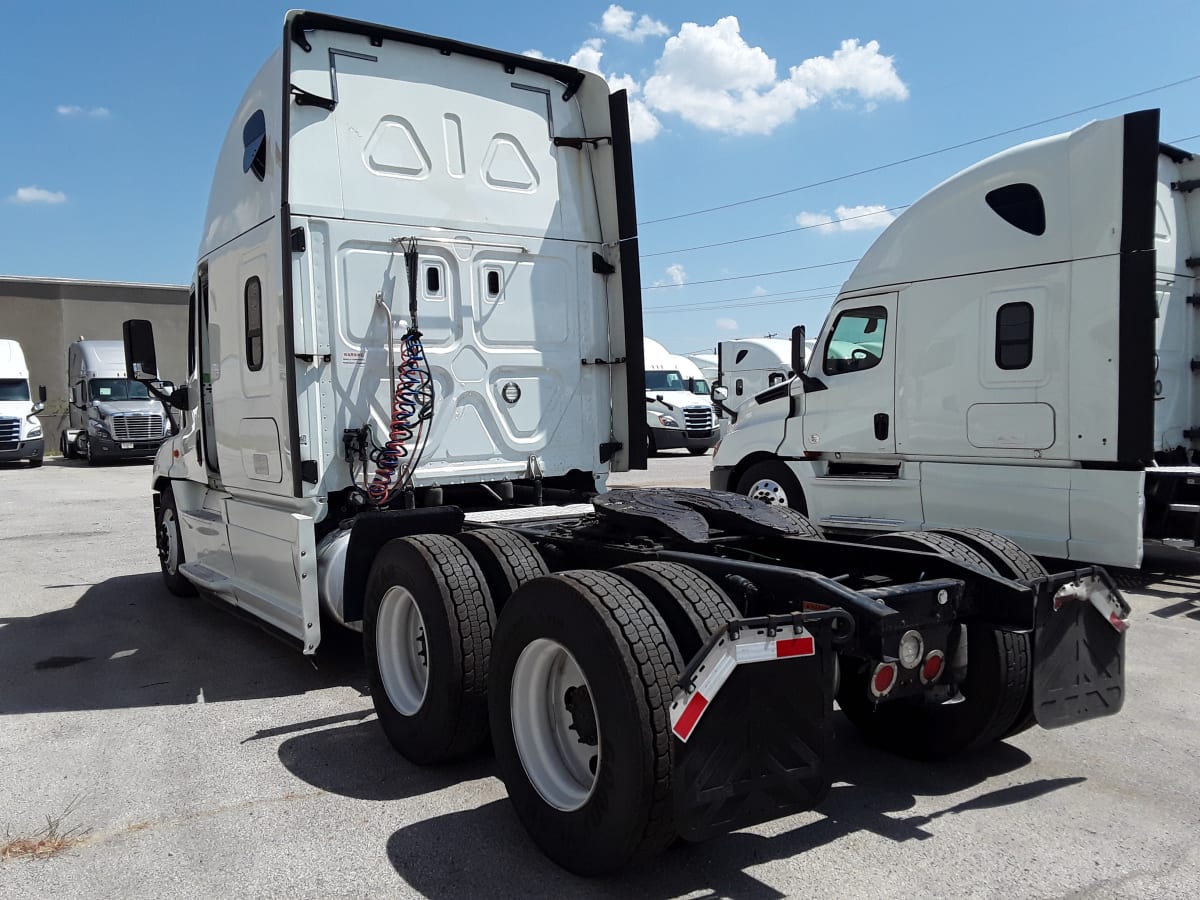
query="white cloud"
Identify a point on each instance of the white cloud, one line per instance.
(34, 194)
(712, 78)
(71, 111)
(588, 55)
(620, 22)
(759, 291)
(848, 218)
(675, 277)
(727, 324)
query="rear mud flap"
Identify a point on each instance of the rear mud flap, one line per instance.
(1079, 650)
(760, 750)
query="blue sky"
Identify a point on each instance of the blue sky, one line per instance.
(115, 112)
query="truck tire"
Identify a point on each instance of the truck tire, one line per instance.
(772, 482)
(1013, 561)
(583, 672)
(697, 451)
(35, 462)
(507, 560)
(651, 446)
(1007, 557)
(67, 448)
(988, 703)
(690, 602)
(427, 637)
(168, 538)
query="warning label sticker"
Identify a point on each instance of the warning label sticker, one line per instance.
(354, 357)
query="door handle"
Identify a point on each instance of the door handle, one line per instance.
(881, 426)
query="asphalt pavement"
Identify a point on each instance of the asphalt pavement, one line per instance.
(195, 756)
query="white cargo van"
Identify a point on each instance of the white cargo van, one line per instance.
(111, 416)
(20, 430)
(1017, 352)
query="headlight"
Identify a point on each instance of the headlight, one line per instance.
(98, 427)
(667, 421)
(34, 432)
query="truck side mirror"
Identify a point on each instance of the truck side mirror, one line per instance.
(181, 398)
(798, 353)
(720, 394)
(140, 361)
(41, 393)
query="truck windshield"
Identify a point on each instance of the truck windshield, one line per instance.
(14, 389)
(659, 380)
(118, 389)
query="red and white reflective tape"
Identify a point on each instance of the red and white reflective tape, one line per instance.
(1095, 592)
(751, 646)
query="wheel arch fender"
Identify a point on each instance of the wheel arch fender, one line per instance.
(371, 530)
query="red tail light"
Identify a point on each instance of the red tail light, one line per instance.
(932, 669)
(883, 679)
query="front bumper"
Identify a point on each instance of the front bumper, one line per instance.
(104, 447)
(720, 477)
(678, 439)
(30, 449)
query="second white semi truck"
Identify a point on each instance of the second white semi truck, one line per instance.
(111, 416)
(415, 357)
(1018, 351)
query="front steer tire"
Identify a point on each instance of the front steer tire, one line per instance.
(168, 537)
(427, 637)
(772, 482)
(622, 649)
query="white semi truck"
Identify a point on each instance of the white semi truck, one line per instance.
(21, 436)
(679, 410)
(1018, 351)
(416, 331)
(111, 416)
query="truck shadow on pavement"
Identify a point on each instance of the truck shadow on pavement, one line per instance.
(127, 642)
(872, 793)
(318, 757)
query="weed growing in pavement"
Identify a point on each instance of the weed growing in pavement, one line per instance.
(51, 840)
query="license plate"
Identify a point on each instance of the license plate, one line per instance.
(127, 446)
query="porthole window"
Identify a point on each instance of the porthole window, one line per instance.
(1014, 335)
(254, 324)
(493, 284)
(1021, 206)
(433, 281)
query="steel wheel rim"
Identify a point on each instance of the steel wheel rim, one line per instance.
(168, 542)
(768, 490)
(561, 767)
(401, 650)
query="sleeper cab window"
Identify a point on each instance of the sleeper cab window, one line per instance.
(254, 324)
(1021, 206)
(856, 342)
(1014, 335)
(254, 145)
(435, 281)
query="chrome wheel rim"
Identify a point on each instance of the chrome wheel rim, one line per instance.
(554, 725)
(768, 490)
(168, 541)
(401, 650)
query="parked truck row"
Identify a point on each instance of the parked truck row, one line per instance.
(415, 355)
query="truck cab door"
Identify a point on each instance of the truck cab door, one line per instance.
(855, 360)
